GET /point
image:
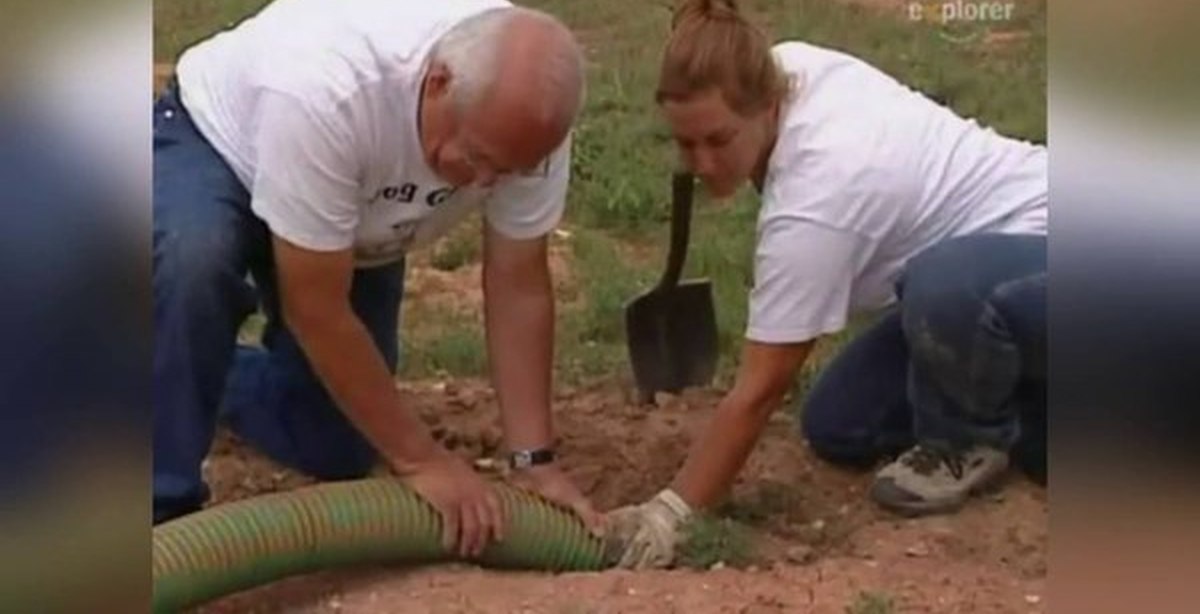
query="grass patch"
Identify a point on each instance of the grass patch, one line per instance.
(178, 25)
(456, 250)
(767, 501)
(454, 350)
(607, 283)
(871, 602)
(251, 330)
(709, 540)
(591, 330)
(1002, 87)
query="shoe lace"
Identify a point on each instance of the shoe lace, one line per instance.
(925, 459)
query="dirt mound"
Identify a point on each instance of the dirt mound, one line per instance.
(820, 544)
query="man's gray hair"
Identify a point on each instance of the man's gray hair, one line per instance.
(472, 48)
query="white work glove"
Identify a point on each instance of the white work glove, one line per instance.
(646, 535)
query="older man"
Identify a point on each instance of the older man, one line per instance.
(313, 146)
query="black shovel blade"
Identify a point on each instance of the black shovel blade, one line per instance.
(672, 336)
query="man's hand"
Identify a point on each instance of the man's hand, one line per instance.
(471, 512)
(314, 291)
(645, 536)
(550, 482)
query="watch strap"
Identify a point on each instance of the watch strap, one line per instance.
(521, 459)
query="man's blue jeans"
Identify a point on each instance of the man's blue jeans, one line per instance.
(206, 243)
(960, 361)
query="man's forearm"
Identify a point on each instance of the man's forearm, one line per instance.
(353, 370)
(520, 335)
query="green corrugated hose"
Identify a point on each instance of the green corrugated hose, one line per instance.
(247, 543)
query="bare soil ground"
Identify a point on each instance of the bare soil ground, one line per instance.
(820, 542)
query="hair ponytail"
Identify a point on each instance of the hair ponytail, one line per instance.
(705, 9)
(713, 45)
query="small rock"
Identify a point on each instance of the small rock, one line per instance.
(486, 464)
(464, 400)
(717, 566)
(917, 550)
(1033, 599)
(802, 554)
(662, 399)
(752, 569)
(818, 525)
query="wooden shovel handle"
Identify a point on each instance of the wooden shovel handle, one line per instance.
(682, 187)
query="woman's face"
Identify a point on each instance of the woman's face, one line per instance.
(717, 144)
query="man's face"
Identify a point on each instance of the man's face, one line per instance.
(715, 143)
(485, 142)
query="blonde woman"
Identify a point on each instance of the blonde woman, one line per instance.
(873, 199)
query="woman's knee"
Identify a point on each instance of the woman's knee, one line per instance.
(836, 437)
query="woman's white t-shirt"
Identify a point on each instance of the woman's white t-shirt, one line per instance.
(313, 104)
(865, 174)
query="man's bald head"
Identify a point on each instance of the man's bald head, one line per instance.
(501, 92)
(514, 61)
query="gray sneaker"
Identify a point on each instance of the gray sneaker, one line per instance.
(929, 479)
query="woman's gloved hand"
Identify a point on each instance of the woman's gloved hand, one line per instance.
(645, 536)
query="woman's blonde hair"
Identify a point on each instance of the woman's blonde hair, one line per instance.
(713, 45)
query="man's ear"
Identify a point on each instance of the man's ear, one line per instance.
(437, 81)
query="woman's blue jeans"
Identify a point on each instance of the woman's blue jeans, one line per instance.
(960, 361)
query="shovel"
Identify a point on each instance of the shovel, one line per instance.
(671, 330)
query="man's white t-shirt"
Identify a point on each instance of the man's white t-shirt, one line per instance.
(865, 174)
(314, 104)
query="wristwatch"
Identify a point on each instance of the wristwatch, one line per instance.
(522, 459)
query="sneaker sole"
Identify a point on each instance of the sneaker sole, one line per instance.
(918, 508)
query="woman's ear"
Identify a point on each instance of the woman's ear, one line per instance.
(772, 117)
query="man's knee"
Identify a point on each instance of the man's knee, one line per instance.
(201, 270)
(175, 496)
(345, 458)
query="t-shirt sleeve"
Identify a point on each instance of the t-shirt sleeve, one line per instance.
(529, 205)
(804, 274)
(305, 180)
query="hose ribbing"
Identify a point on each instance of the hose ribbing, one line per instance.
(247, 543)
